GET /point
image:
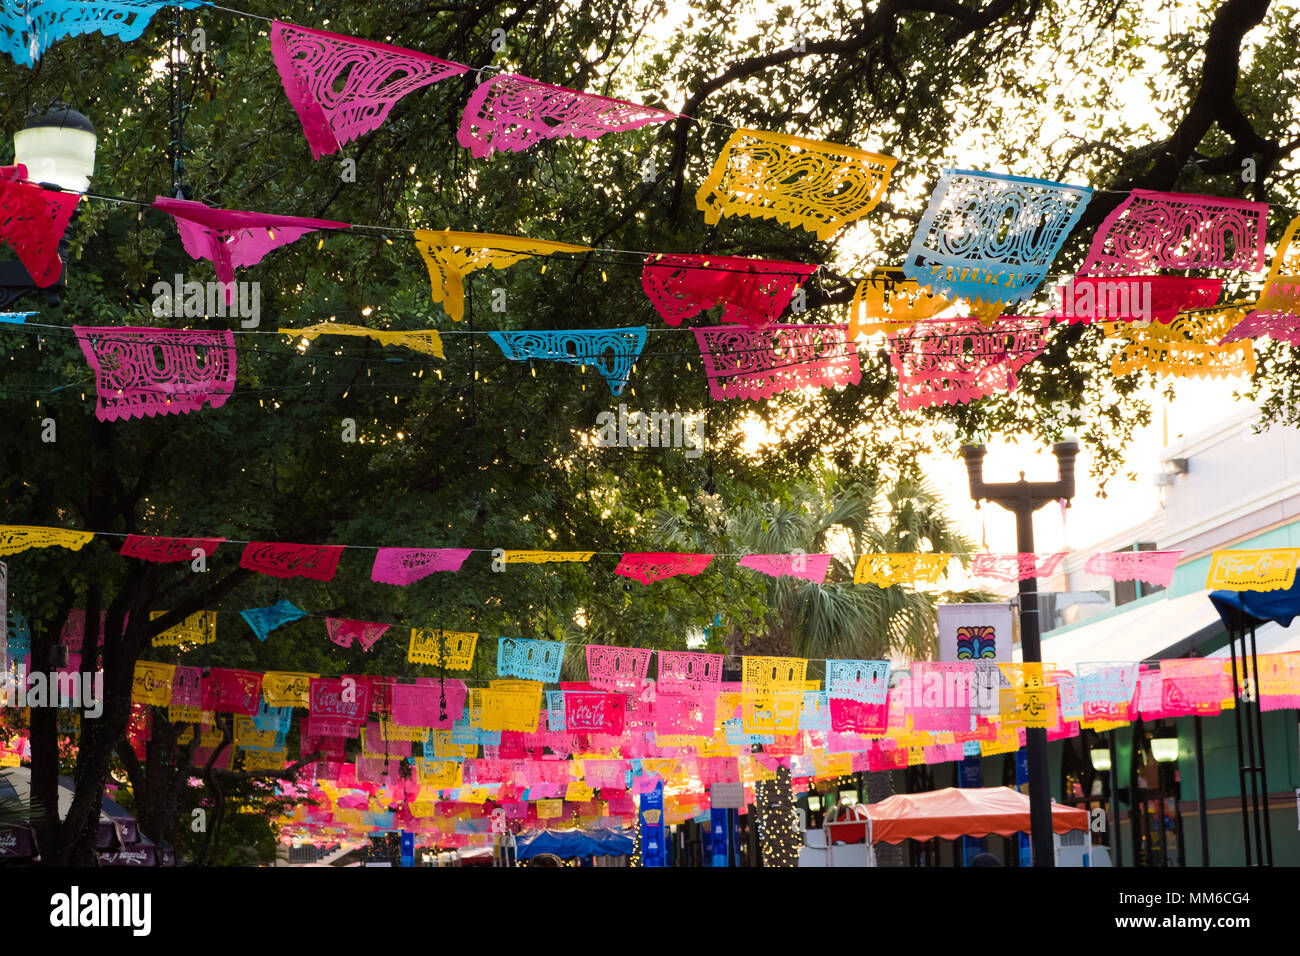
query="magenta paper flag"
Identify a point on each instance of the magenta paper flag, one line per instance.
(952, 361)
(378, 770)
(1153, 567)
(187, 687)
(404, 566)
(1133, 298)
(682, 671)
(343, 632)
(163, 550)
(617, 668)
(810, 567)
(232, 691)
(857, 717)
(689, 712)
(1015, 567)
(373, 742)
(338, 706)
(754, 291)
(657, 565)
(143, 372)
(594, 712)
(437, 704)
(510, 113)
(1157, 230)
(285, 560)
(342, 87)
(233, 239)
(741, 362)
(606, 774)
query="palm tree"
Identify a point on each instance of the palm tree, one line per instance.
(844, 513)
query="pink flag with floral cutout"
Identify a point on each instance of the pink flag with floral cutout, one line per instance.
(617, 668)
(373, 742)
(745, 363)
(1015, 567)
(1134, 298)
(143, 372)
(950, 361)
(1153, 567)
(810, 567)
(437, 704)
(33, 221)
(687, 712)
(187, 686)
(232, 691)
(510, 113)
(402, 566)
(682, 671)
(342, 87)
(606, 774)
(857, 717)
(1152, 230)
(755, 292)
(163, 550)
(343, 631)
(232, 238)
(658, 565)
(284, 560)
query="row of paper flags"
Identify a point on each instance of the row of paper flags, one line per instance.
(1267, 569)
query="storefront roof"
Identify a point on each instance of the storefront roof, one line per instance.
(1153, 628)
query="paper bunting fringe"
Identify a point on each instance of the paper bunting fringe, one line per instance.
(613, 352)
(888, 301)
(264, 620)
(1260, 570)
(164, 550)
(656, 566)
(342, 87)
(959, 360)
(510, 113)
(343, 632)
(403, 566)
(817, 186)
(15, 539)
(426, 341)
(28, 29)
(756, 364)
(1015, 567)
(1158, 230)
(884, 570)
(991, 238)
(282, 560)
(143, 372)
(1153, 567)
(754, 291)
(809, 567)
(231, 239)
(1189, 346)
(32, 223)
(451, 256)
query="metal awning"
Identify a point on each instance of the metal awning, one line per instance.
(1271, 638)
(1154, 628)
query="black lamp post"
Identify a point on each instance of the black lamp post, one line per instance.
(1023, 498)
(58, 150)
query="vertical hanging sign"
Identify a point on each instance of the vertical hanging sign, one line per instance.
(719, 842)
(652, 827)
